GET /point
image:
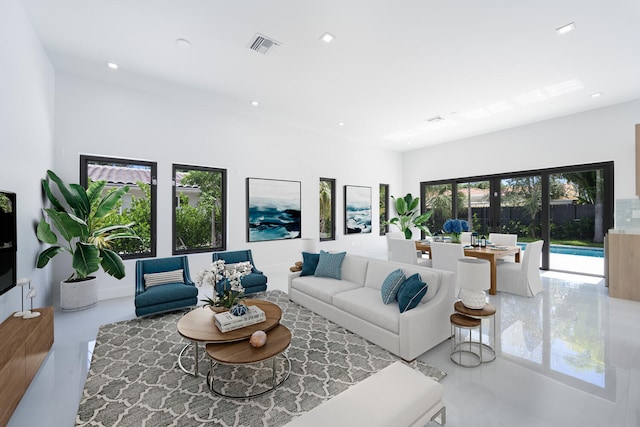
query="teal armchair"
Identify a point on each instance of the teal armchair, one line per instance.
(160, 286)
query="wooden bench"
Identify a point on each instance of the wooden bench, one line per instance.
(398, 396)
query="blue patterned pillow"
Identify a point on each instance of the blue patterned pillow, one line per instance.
(329, 265)
(391, 285)
(309, 263)
(411, 293)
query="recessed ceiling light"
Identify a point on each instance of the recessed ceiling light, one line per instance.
(183, 43)
(255, 103)
(565, 29)
(340, 123)
(327, 38)
(112, 65)
(595, 95)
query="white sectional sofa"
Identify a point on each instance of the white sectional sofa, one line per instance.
(355, 302)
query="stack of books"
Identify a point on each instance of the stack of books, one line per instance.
(228, 322)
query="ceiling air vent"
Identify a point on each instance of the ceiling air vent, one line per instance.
(262, 44)
(435, 119)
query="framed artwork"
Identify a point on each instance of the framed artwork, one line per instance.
(357, 209)
(327, 209)
(273, 209)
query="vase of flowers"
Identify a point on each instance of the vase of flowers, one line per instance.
(455, 227)
(226, 283)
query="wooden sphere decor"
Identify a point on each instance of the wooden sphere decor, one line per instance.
(258, 339)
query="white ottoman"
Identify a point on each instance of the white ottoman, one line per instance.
(397, 396)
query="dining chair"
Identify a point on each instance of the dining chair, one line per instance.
(522, 278)
(445, 256)
(465, 238)
(392, 235)
(502, 239)
(404, 250)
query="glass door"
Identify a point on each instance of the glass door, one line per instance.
(474, 205)
(437, 198)
(576, 218)
(521, 206)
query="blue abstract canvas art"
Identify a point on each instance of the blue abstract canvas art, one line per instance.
(273, 208)
(357, 205)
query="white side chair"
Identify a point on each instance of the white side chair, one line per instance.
(403, 250)
(501, 239)
(521, 278)
(473, 278)
(392, 235)
(445, 256)
(465, 238)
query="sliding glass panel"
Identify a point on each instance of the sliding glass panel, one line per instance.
(437, 197)
(473, 205)
(576, 222)
(520, 207)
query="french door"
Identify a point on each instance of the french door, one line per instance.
(570, 208)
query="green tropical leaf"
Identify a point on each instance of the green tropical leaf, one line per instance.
(109, 201)
(47, 254)
(112, 264)
(94, 191)
(70, 196)
(83, 206)
(67, 224)
(86, 259)
(54, 201)
(401, 206)
(45, 234)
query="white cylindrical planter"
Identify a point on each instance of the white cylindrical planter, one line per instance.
(80, 295)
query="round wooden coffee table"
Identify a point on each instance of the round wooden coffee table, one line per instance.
(243, 353)
(198, 326)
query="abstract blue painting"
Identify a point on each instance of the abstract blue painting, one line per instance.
(357, 209)
(273, 209)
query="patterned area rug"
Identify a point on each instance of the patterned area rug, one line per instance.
(134, 379)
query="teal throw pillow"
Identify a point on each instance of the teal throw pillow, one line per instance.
(391, 285)
(329, 265)
(309, 263)
(411, 293)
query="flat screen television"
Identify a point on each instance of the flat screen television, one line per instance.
(8, 236)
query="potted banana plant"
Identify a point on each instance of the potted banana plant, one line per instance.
(408, 210)
(80, 225)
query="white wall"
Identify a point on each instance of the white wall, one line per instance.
(26, 140)
(102, 119)
(606, 134)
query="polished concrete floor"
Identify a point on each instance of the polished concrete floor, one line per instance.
(568, 357)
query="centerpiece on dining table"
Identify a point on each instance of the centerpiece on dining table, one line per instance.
(455, 227)
(228, 292)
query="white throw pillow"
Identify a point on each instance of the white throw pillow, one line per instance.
(154, 279)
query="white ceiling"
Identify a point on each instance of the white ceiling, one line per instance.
(480, 65)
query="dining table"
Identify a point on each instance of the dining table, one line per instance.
(490, 253)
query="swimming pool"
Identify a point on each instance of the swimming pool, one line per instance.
(573, 250)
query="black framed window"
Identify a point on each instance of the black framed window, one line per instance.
(568, 207)
(138, 205)
(327, 209)
(199, 209)
(384, 208)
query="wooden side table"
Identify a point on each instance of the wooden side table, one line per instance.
(198, 326)
(243, 353)
(488, 311)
